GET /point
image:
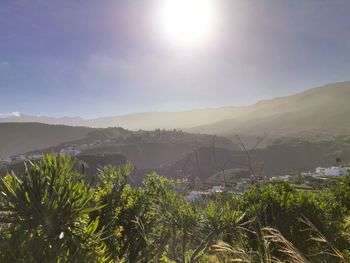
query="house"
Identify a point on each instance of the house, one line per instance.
(76, 152)
(310, 174)
(284, 178)
(192, 196)
(196, 195)
(63, 151)
(332, 171)
(217, 189)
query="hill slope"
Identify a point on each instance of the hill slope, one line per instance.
(145, 149)
(285, 156)
(136, 121)
(17, 138)
(320, 110)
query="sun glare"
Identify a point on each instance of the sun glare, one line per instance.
(188, 22)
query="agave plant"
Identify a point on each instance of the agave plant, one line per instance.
(44, 214)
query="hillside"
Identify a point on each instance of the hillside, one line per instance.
(145, 149)
(285, 156)
(18, 138)
(136, 121)
(316, 111)
(320, 110)
(175, 154)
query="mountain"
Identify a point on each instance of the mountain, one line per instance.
(18, 138)
(319, 110)
(16, 117)
(136, 121)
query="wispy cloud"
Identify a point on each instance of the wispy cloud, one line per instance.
(11, 114)
(4, 63)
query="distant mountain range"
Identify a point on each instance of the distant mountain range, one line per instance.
(320, 110)
(136, 121)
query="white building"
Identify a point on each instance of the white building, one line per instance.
(283, 178)
(332, 171)
(76, 152)
(196, 195)
(217, 189)
(192, 196)
(310, 174)
(63, 151)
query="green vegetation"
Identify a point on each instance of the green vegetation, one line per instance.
(228, 176)
(52, 214)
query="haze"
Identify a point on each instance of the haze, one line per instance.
(100, 58)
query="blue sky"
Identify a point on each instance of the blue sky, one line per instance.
(94, 58)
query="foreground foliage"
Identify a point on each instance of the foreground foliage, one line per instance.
(51, 214)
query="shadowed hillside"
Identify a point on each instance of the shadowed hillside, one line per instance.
(286, 156)
(155, 149)
(145, 149)
(18, 138)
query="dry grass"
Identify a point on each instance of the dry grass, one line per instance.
(292, 254)
(320, 238)
(227, 253)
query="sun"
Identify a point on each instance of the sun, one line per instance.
(187, 22)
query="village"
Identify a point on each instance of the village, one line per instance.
(69, 149)
(308, 180)
(305, 181)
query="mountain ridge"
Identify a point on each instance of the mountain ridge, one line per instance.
(320, 109)
(324, 103)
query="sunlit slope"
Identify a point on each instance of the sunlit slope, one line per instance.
(165, 120)
(136, 121)
(325, 109)
(23, 137)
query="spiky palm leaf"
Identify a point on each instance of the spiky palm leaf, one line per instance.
(45, 211)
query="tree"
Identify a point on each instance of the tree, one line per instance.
(44, 214)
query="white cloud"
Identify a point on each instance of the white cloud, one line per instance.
(12, 114)
(16, 114)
